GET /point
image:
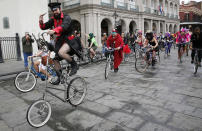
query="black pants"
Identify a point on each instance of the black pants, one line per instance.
(199, 54)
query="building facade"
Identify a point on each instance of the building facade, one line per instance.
(101, 16)
(191, 15)
(20, 16)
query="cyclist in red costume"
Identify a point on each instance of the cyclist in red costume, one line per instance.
(115, 41)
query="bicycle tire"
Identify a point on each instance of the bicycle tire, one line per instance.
(195, 64)
(107, 69)
(181, 54)
(26, 83)
(39, 111)
(75, 84)
(140, 64)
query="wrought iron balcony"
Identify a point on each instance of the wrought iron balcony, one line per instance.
(133, 7)
(68, 4)
(147, 10)
(107, 3)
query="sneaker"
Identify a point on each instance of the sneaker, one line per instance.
(192, 61)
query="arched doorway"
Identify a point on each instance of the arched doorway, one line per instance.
(175, 28)
(161, 27)
(154, 29)
(132, 27)
(146, 27)
(76, 25)
(121, 26)
(170, 29)
(166, 27)
(106, 26)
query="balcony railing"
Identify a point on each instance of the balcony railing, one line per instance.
(133, 7)
(70, 4)
(107, 3)
(147, 10)
(121, 5)
(155, 12)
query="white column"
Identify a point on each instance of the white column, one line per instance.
(150, 26)
(158, 27)
(99, 29)
(83, 28)
(169, 10)
(164, 6)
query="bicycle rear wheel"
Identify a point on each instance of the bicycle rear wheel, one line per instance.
(195, 64)
(76, 91)
(107, 68)
(140, 63)
(39, 113)
(25, 81)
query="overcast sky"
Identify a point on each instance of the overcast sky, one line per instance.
(185, 1)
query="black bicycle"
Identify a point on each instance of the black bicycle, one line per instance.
(196, 60)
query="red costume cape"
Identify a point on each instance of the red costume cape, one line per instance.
(118, 54)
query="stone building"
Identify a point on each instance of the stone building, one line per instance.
(191, 15)
(101, 16)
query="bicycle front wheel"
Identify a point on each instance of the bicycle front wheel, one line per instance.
(76, 91)
(141, 63)
(107, 68)
(25, 81)
(39, 113)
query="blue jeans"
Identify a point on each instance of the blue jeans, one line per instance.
(25, 58)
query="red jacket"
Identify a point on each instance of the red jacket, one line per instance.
(118, 54)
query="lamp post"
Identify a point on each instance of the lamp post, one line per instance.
(115, 16)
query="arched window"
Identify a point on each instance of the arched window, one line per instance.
(6, 23)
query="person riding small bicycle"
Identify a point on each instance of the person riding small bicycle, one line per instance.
(151, 41)
(168, 42)
(116, 42)
(92, 45)
(40, 64)
(140, 39)
(196, 39)
(181, 41)
(64, 47)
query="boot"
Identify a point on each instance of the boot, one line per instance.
(74, 67)
(57, 82)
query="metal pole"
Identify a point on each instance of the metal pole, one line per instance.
(18, 48)
(1, 56)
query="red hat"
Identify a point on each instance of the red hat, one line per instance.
(114, 30)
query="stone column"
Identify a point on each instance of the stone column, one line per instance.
(99, 29)
(158, 27)
(164, 6)
(83, 28)
(150, 26)
(169, 10)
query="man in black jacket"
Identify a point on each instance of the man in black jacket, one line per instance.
(64, 47)
(196, 39)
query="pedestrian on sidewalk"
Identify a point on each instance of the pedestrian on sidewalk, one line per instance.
(27, 48)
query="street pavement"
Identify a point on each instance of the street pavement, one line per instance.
(167, 97)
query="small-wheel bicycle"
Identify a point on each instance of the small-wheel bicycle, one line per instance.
(110, 62)
(74, 90)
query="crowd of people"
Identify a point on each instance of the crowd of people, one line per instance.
(68, 42)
